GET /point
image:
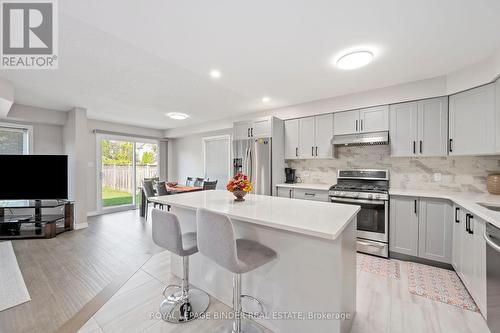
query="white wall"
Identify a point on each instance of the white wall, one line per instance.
(186, 155)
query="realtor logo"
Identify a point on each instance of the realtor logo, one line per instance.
(29, 34)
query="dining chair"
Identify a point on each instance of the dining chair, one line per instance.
(189, 181)
(210, 185)
(149, 192)
(161, 188)
(199, 182)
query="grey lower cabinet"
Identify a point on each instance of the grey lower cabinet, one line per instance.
(469, 254)
(421, 227)
(303, 193)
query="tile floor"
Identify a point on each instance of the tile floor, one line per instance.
(383, 305)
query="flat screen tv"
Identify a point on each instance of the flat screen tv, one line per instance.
(32, 177)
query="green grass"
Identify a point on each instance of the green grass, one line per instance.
(111, 197)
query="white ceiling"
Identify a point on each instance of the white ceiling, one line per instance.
(133, 61)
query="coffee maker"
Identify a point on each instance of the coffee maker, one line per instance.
(290, 175)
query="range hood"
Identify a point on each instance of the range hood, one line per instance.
(364, 139)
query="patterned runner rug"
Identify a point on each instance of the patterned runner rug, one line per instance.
(440, 285)
(383, 267)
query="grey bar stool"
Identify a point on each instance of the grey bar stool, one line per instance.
(217, 242)
(187, 303)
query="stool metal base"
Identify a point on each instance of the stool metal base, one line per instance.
(176, 310)
(247, 326)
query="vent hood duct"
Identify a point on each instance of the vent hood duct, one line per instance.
(365, 139)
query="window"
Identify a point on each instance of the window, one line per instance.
(15, 139)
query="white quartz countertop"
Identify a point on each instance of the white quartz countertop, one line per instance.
(467, 200)
(320, 187)
(318, 219)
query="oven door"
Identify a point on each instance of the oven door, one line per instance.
(372, 218)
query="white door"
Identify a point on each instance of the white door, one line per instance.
(306, 138)
(346, 122)
(292, 139)
(374, 119)
(403, 132)
(323, 135)
(217, 159)
(404, 225)
(433, 127)
(472, 121)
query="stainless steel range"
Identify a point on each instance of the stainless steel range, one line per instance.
(370, 190)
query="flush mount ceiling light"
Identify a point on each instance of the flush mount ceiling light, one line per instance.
(215, 74)
(266, 99)
(177, 115)
(355, 60)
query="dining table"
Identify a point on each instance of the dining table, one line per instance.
(178, 189)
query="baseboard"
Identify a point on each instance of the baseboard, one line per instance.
(405, 257)
(78, 226)
(93, 213)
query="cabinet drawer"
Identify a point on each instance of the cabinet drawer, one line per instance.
(315, 195)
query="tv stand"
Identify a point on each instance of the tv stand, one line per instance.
(35, 218)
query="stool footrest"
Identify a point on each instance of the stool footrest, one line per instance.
(258, 302)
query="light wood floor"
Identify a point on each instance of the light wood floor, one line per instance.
(64, 273)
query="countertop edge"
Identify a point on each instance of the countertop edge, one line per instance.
(319, 187)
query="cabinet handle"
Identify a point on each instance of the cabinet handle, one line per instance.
(451, 145)
(415, 202)
(316, 151)
(356, 125)
(361, 122)
(414, 151)
(296, 151)
(290, 194)
(467, 222)
(456, 215)
(420, 146)
(470, 229)
(310, 194)
(251, 132)
(312, 151)
(248, 132)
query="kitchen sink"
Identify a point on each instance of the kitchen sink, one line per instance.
(494, 207)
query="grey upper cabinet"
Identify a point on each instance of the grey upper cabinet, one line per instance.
(292, 139)
(419, 128)
(323, 134)
(309, 137)
(346, 122)
(473, 122)
(403, 132)
(435, 229)
(306, 137)
(404, 225)
(433, 127)
(375, 119)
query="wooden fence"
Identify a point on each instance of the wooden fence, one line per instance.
(119, 177)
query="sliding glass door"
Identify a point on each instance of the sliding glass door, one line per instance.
(124, 163)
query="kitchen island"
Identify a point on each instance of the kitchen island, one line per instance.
(311, 286)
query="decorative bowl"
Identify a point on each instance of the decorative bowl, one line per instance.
(239, 194)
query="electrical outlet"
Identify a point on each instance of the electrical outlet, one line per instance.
(437, 177)
(306, 174)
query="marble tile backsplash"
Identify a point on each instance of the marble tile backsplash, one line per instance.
(466, 173)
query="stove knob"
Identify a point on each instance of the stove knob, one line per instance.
(377, 196)
(355, 195)
(370, 196)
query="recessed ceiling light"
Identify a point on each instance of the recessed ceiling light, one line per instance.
(177, 115)
(355, 60)
(266, 99)
(215, 74)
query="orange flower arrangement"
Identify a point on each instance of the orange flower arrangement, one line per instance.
(239, 182)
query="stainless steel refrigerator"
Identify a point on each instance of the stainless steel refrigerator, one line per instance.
(253, 157)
